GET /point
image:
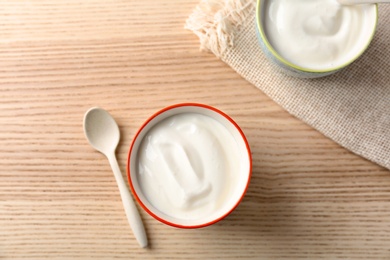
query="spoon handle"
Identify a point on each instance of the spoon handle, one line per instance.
(131, 210)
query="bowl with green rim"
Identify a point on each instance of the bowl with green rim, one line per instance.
(295, 70)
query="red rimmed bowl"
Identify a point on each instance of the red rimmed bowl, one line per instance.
(161, 195)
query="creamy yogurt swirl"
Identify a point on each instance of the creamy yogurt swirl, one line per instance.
(187, 164)
(318, 34)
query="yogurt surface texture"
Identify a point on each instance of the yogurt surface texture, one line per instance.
(187, 164)
(318, 34)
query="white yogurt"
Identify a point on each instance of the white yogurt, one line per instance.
(318, 34)
(187, 164)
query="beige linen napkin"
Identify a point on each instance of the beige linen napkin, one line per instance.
(352, 107)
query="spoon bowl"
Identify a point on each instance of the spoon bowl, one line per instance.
(101, 130)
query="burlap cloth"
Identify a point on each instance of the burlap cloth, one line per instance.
(352, 107)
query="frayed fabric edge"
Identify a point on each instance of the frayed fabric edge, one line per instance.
(216, 22)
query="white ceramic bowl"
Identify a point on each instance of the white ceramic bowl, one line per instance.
(229, 202)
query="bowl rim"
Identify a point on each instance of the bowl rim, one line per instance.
(161, 111)
(299, 68)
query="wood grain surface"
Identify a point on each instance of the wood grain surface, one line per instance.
(308, 198)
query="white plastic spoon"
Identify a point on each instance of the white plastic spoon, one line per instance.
(358, 2)
(102, 133)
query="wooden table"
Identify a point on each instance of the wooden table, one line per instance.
(308, 198)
